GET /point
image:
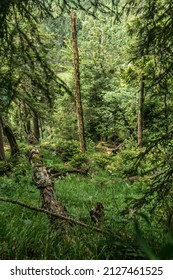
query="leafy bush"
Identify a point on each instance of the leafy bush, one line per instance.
(67, 149)
(80, 161)
(101, 159)
(4, 168)
(124, 161)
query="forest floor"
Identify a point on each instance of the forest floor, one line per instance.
(25, 234)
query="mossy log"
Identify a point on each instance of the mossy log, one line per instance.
(43, 181)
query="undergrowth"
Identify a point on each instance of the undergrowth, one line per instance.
(25, 234)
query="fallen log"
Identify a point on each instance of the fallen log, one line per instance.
(59, 174)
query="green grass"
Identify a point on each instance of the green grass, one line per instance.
(79, 193)
(25, 234)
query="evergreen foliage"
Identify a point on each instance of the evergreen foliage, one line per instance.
(125, 65)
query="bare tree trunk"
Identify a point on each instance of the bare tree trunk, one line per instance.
(140, 113)
(27, 127)
(42, 129)
(11, 139)
(36, 126)
(79, 109)
(2, 152)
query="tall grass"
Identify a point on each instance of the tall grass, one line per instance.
(25, 234)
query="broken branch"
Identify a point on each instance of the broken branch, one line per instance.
(41, 210)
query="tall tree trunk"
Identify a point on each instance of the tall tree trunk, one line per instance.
(140, 113)
(79, 109)
(42, 129)
(36, 126)
(27, 127)
(11, 139)
(2, 152)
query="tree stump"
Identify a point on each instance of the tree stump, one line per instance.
(43, 181)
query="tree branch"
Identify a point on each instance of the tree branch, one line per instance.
(41, 210)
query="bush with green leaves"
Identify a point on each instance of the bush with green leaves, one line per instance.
(4, 168)
(80, 161)
(66, 149)
(101, 160)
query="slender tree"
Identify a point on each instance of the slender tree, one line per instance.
(11, 139)
(140, 112)
(36, 125)
(2, 152)
(79, 109)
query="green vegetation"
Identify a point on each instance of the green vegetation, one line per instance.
(28, 234)
(116, 97)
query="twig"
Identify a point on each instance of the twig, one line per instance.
(41, 210)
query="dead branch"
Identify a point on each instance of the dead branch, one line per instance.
(41, 210)
(56, 174)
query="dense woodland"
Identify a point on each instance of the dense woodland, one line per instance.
(86, 134)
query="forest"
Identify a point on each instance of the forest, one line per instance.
(86, 133)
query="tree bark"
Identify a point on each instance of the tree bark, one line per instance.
(11, 139)
(27, 127)
(36, 126)
(43, 181)
(2, 152)
(79, 109)
(140, 113)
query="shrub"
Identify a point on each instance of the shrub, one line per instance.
(67, 149)
(101, 159)
(80, 161)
